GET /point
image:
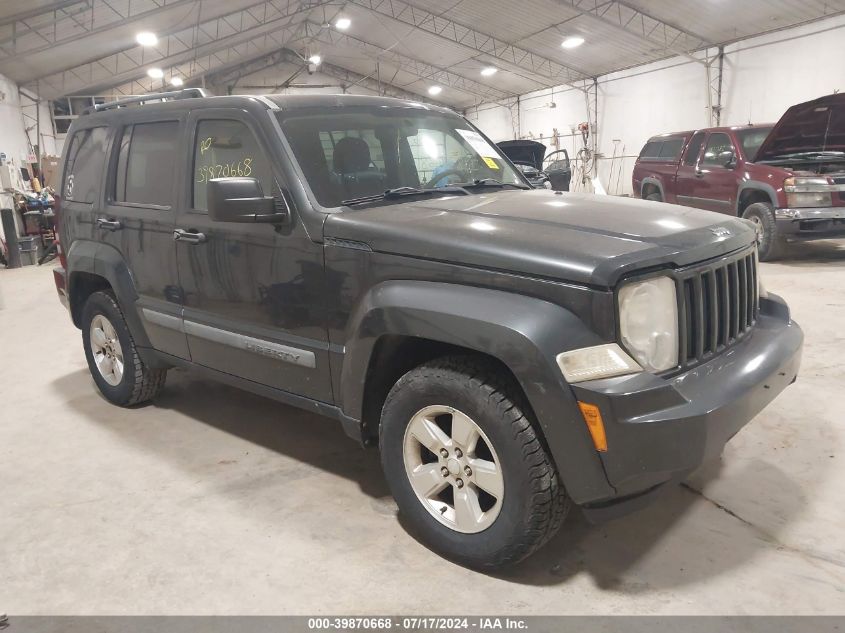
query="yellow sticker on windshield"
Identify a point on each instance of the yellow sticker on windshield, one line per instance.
(490, 162)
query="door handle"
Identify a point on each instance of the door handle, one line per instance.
(109, 225)
(189, 237)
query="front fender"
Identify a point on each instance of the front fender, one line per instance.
(522, 332)
(756, 186)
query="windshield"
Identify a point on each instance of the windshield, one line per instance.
(751, 140)
(354, 152)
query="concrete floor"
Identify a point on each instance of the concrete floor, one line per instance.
(214, 501)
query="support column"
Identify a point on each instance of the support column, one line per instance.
(714, 68)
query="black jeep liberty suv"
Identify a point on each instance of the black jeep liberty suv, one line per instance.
(512, 351)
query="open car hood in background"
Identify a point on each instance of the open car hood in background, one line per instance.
(814, 126)
(524, 151)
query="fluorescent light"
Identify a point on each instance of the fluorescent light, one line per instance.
(489, 71)
(176, 81)
(435, 90)
(572, 42)
(145, 38)
(315, 59)
(342, 23)
(155, 73)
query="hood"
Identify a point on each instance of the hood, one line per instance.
(579, 238)
(817, 125)
(524, 152)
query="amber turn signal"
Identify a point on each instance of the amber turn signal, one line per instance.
(592, 416)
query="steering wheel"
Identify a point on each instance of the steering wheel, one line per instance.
(445, 174)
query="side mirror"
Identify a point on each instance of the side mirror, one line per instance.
(242, 200)
(728, 159)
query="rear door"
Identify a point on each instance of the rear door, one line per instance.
(254, 294)
(714, 187)
(137, 221)
(688, 174)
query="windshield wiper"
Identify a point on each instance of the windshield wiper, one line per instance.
(491, 182)
(399, 192)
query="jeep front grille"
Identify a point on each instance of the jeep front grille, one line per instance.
(719, 306)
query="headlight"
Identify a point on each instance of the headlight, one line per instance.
(648, 322)
(807, 192)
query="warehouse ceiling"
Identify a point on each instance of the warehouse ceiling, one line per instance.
(400, 47)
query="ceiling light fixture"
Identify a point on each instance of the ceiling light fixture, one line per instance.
(315, 59)
(572, 42)
(155, 73)
(342, 23)
(176, 81)
(489, 71)
(145, 38)
(435, 90)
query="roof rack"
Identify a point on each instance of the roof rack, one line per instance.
(186, 93)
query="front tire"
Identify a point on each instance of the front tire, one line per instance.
(654, 197)
(466, 466)
(771, 245)
(120, 374)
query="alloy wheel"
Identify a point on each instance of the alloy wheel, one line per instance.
(453, 469)
(106, 350)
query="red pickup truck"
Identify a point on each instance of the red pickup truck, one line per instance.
(787, 178)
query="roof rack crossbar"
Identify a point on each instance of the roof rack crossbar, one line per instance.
(186, 93)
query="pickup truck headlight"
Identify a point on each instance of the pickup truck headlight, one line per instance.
(807, 192)
(648, 322)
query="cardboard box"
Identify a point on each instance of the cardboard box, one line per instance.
(50, 171)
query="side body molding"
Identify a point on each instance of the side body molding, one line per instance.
(522, 332)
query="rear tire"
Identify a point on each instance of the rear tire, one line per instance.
(654, 197)
(113, 359)
(451, 509)
(771, 245)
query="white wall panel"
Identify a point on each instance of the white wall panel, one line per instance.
(13, 140)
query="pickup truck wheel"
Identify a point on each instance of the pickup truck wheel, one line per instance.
(654, 197)
(113, 360)
(770, 244)
(466, 466)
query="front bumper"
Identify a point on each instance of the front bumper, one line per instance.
(811, 223)
(660, 429)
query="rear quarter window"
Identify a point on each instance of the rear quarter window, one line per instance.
(85, 164)
(663, 149)
(651, 150)
(671, 149)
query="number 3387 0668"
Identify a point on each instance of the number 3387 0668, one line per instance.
(241, 168)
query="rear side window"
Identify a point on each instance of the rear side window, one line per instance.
(146, 163)
(651, 149)
(663, 149)
(85, 163)
(694, 148)
(671, 149)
